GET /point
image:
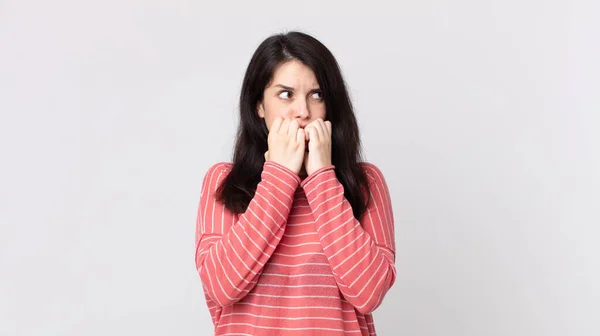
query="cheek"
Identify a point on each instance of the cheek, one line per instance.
(318, 111)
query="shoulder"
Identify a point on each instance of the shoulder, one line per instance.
(221, 167)
(373, 172)
(377, 188)
(217, 171)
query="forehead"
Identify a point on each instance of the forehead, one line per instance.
(294, 73)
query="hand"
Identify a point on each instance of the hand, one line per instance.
(286, 142)
(318, 134)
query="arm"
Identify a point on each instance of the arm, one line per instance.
(361, 254)
(232, 250)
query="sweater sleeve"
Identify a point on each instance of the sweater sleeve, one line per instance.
(232, 249)
(361, 253)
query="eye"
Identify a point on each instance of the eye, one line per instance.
(282, 96)
(319, 95)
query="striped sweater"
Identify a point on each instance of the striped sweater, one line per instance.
(296, 262)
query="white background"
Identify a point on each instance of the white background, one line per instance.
(484, 117)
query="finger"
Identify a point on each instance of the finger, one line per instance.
(276, 124)
(284, 126)
(293, 129)
(308, 129)
(300, 138)
(320, 126)
(314, 134)
(324, 128)
(328, 126)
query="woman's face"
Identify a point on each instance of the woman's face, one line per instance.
(292, 93)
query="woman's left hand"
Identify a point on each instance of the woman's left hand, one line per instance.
(318, 134)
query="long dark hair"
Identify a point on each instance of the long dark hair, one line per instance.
(238, 187)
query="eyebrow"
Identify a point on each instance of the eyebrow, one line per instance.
(292, 89)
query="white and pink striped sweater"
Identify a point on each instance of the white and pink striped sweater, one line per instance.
(296, 262)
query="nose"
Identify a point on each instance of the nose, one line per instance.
(300, 110)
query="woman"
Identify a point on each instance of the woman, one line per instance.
(296, 235)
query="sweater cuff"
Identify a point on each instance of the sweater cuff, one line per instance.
(319, 172)
(282, 172)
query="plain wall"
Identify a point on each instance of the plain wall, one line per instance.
(484, 117)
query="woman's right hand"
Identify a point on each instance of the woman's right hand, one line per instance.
(286, 141)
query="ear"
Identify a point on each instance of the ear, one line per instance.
(260, 109)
